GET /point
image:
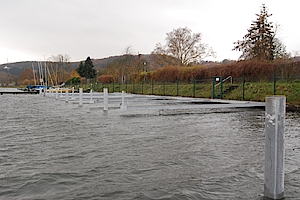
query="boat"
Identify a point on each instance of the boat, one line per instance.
(35, 88)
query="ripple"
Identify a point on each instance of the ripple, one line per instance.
(53, 150)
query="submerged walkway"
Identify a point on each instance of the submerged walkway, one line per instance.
(128, 101)
(15, 91)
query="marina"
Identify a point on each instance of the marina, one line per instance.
(15, 91)
(154, 148)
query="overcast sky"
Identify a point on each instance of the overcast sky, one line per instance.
(37, 29)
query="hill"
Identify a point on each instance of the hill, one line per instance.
(17, 68)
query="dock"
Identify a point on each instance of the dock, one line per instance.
(15, 91)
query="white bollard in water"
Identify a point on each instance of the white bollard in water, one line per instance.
(61, 92)
(91, 95)
(67, 95)
(56, 93)
(123, 107)
(80, 96)
(72, 93)
(274, 147)
(105, 100)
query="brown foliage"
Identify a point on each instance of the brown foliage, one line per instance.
(255, 70)
(27, 75)
(26, 82)
(173, 73)
(250, 70)
(168, 73)
(105, 79)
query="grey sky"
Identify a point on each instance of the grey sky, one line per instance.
(38, 29)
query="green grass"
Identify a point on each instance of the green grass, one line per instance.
(253, 91)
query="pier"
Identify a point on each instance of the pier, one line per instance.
(15, 91)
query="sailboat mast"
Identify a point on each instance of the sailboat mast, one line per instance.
(33, 73)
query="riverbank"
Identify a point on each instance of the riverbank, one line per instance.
(237, 90)
(248, 92)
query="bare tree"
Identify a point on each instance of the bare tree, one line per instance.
(185, 46)
(59, 64)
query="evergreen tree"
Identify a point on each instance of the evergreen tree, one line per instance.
(260, 42)
(80, 69)
(86, 69)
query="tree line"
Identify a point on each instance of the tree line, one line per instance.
(182, 55)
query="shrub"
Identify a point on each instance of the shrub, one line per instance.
(105, 79)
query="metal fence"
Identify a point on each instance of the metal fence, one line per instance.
(217, 87)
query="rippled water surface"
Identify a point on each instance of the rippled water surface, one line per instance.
(50, 149)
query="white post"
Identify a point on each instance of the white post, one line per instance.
(91, 94)
(67, 95)
(105, 100)
(123, 107)
(80, 96)
(61, 91)
(274, 147)
(73, 93)
(56, 93)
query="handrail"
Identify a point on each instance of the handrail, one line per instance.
(229, 77)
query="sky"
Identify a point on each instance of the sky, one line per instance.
(35, 30)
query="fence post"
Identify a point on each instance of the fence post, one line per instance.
(274, 147)
(221, 87)
(177, 87)
(164, 88)
(133, 87)
(213, 88)
(274, 83)
(194, 89)
(243, 89)
(152, 87)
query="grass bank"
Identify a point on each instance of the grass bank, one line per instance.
(249, 91)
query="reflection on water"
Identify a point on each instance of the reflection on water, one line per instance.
(54, 150)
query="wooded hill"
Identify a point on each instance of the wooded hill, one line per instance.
(250, 70)
(17, 68)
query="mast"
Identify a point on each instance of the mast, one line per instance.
(33, 73)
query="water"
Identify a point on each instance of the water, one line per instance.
(55, 150)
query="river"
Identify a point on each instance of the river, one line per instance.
(50, 149)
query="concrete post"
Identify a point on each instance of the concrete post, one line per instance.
(56, 93)
(105, 100)
(123, 107)
(67, 95)
(91, 96)
(72, 93)
(61, 92)
(80, 97)
(274, 147)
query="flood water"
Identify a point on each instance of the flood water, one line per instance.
(50, 149)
